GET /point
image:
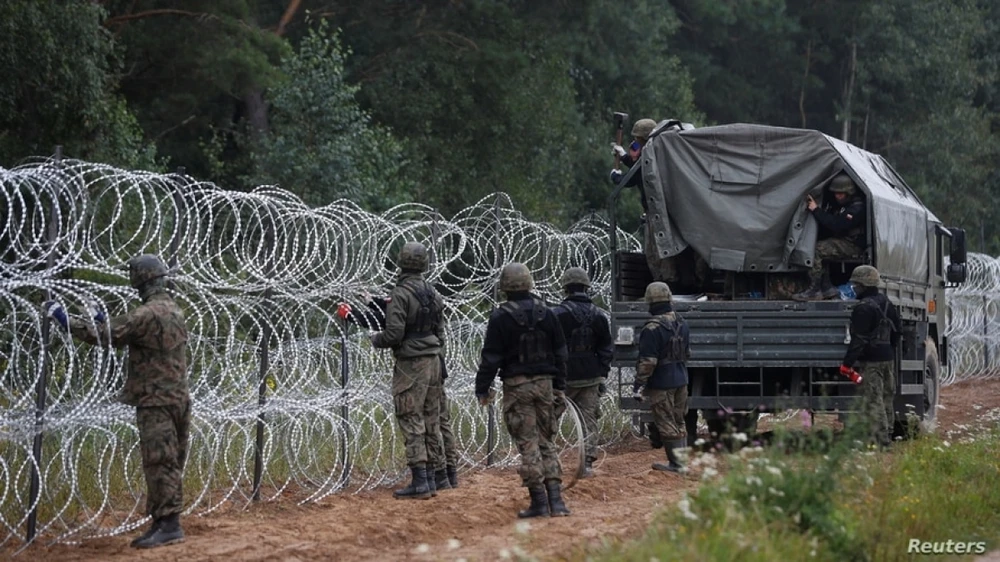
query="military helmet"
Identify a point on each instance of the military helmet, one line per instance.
(842, 183)
(575, 276)
(143, 269)
(516, 277)
(643, 127)
(413, 256)
(865, 275)
(658, 292)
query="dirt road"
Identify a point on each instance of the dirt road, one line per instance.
(474, 522)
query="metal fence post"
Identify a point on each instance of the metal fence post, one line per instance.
(265, 364)
(42, 385)
(345, 379)
(491, 412)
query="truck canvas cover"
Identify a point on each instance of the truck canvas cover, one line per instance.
(736, 194)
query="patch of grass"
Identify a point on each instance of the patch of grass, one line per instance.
(830, 501)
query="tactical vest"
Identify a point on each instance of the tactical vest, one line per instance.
(581, 339)
(882, 334)
(674, 351)
(534, 346)
(427, 315)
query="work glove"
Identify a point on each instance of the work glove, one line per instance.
(616, 176)
(637, 392)
(343, 310)
(95, 312)
(56, 312)
(851, 374)
(617, 149)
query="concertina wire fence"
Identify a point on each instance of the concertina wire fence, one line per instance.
(285, 394)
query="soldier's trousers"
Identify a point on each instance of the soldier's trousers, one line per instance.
(588, 401)
(416, 396)
(829, 248)
(163, 444)
(877, 393)
(530, 419)
(447, 437)
(668, 408)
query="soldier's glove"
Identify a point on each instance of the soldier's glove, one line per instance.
(637, 392)
(602, 389)
(616, 176)
(485, 399)
(559, 404)
(617, 149)
(56, 312)
(95, 312)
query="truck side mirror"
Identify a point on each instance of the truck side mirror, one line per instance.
(956, 269)
(958, 252)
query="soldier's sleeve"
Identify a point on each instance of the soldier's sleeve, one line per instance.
(491, 357)
(119, 331)
(440, 328)
(649, 354)
(560, 350)
(395, 321)
(605, 346)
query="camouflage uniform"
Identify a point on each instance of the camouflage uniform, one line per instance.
(664, 347)
(841, 235)
(588, 339)
(416, 343)
(875, 329)
(156, 385)
(525, 344)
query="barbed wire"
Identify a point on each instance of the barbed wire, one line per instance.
(261, 272)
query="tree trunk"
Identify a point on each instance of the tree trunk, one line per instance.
(848, 93)
(805, 79)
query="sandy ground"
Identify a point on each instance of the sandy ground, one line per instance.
(475, 522)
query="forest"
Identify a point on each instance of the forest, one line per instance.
(445, 101)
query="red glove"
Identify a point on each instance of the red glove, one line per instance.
(851, 374)
(343, 309)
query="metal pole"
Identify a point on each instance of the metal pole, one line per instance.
(986, 332)
(265, 360)
(345, 379)
(491, 413)
(42, 385)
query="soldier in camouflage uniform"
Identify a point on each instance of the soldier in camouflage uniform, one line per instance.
(525, 343)
(414, 330)
(588, 338)
(664, 348)
(373, 319)
(875, 330)
(156, 385)
(842, 225)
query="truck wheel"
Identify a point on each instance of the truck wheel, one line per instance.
(932, 383)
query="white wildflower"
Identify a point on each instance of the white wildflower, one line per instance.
(522, 527)
(685, 506)
(776, 492)
(946, 444)
(454, 544)
(774, 470)
(977, 407)
(741, 437)
(699, 442)
(709, 472)
(504, 554)
(422, 548)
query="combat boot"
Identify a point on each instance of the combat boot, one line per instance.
(556, 506)
(431, 485)
(813, 292)
(539, 504)
(827, 290)
(418, 489)
(673, 462)
(452, 476)
(441, 481)
(152, 529)
(167, 532)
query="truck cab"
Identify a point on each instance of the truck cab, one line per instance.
(725, 226)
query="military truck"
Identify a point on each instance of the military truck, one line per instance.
(726, 226)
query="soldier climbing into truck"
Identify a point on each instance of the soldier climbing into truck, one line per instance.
(732, 197)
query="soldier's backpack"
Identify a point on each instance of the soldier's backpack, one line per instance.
(534, 345)
(581, 340)
(675, 350)
(426, 320)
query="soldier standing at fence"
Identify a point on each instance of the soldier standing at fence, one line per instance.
(664, 348)
(525, 343)
(414, 330)
(156, 385)
(875, 329)
(374, 319)
(588, 339)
